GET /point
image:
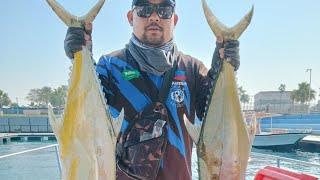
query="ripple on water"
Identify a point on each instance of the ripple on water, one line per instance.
(259, 162)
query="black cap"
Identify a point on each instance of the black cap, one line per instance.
(139, 2)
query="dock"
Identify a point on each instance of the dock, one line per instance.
(310, 143)
(6, 138)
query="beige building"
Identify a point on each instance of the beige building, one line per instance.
(273, 101)
(277, 102)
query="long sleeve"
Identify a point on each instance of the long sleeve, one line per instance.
(205, 83)
(104, 76)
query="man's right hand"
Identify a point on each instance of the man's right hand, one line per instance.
(77, 37)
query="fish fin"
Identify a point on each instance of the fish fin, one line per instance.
(193, 130)
(219, 29)
(117, 123)
(71, 20)
(252, 128)
(54, 122)
(242, 25)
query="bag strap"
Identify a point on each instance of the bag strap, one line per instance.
(151, 89)
(166, 83)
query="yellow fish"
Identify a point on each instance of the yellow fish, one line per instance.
(223, 143)
(87, 132)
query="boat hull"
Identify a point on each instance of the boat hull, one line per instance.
(283, 141)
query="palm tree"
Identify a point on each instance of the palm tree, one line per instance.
(244, 98)
(301, 94)
(4, 99)
(282, 89)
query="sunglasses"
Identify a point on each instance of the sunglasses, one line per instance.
(164, 11)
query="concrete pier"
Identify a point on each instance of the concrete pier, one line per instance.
(6, 138)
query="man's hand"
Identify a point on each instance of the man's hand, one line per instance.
(229, 51)
(76, 38)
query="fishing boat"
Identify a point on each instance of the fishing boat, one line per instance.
(278, 139)
(282, 141)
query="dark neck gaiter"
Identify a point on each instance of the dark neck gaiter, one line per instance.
(150, 59)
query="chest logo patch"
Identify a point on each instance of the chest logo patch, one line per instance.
(130, 74)
(177, 96)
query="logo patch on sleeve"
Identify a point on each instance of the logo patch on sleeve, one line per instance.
(180, 75)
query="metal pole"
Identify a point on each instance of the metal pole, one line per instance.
(271, 124)
(309, 70)
(9, 125)
(30, 125)
(58, 159)
(17, 105)
(47, 125)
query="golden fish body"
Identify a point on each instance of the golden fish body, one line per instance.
(223, 143)
(86, 133)
(223, 149)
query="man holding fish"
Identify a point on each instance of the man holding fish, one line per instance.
(159, 88)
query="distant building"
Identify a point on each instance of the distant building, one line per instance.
(277, 102)
(273, 101)
(30, 112)
(24, 111)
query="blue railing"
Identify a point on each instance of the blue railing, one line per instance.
(305, 121)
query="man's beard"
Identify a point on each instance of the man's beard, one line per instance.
(152, 41)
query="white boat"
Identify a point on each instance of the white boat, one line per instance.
(278, 141)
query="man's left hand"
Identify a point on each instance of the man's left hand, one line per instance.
(229, 50)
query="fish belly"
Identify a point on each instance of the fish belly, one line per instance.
(85, 135)
(223, 148)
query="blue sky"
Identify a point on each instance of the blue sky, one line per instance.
(279, 45)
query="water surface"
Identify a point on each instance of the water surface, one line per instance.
(43, 164)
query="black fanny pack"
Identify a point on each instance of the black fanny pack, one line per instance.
(141, 147)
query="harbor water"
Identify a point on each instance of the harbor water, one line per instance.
(43, 164)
